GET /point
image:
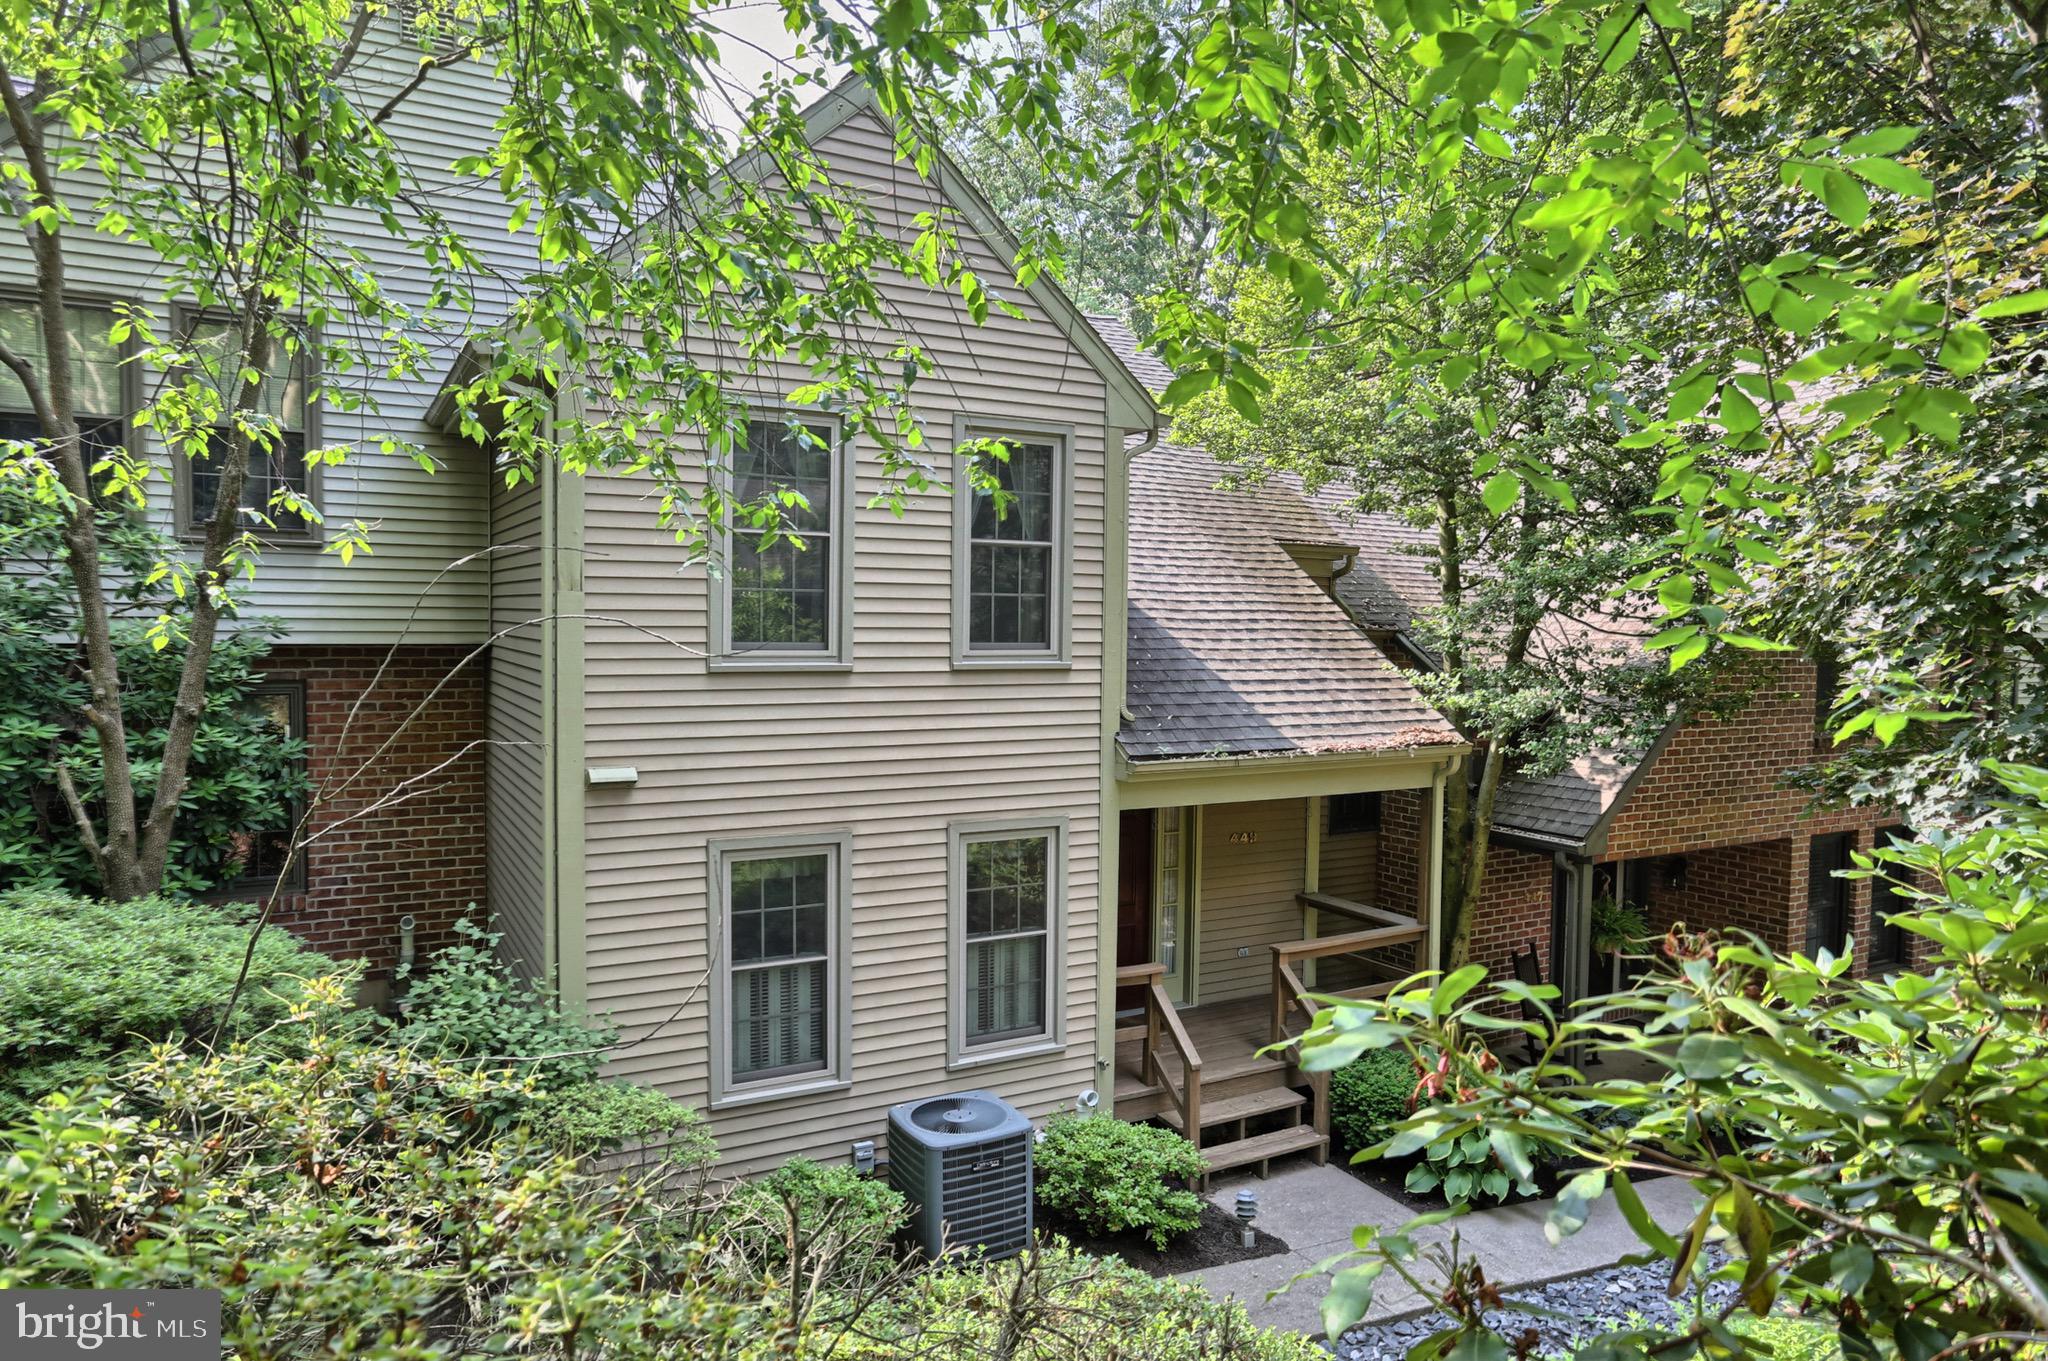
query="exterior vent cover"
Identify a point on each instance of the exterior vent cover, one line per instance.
(964, 1164)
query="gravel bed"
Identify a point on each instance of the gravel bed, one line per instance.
(1595, 1303)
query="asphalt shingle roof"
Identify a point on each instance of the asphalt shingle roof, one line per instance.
(1234, 649)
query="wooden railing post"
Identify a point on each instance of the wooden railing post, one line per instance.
(1153, 1074)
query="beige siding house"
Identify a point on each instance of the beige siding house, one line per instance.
(1070, 797)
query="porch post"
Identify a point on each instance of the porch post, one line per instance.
(1312, 879)
(1433, 874)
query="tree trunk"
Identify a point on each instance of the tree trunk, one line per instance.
(114, 853)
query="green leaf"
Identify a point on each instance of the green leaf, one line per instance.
(1454, 987)
(1966, 348)
(1500, 491)
(2014, 305)
(1455, 372)
(1887, 174)
(1881, 142)
(1187, 387)
(1350, 1295)
(1845, 199)
(1638, 1216)
(1708, 1056)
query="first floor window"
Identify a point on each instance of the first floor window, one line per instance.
(1007, 910)
(261, 854)
(781, 910)
(1351, 813)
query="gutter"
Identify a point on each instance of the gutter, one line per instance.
(1162, 767)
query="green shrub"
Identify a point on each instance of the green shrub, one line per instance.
(812, 1204)
(1369, 1096)
(466, 1005)
(349, 1202)
(1466, 1170)
(1110, 1176)
(603, 1117)
(85, 984)
(1056, 1304)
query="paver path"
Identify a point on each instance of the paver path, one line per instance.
(1315, 1208)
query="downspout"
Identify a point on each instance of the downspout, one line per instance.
(1433, 941)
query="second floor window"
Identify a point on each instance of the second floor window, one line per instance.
(1012, 553)
(783, 588)
(277, 456)
(99, 397)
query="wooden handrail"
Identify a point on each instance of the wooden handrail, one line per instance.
(1288, 994)
(1322, 947)
(1160, 1015)
(1345, 907)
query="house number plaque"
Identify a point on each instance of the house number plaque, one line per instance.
(1243, 838)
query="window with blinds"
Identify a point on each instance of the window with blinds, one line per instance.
(1008, 923)
(780, 912)
(98, 393)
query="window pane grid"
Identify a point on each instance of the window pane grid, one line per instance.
(95, 360)
(782, 593)
(1010, 552)
(1007, 911)
(779, 924)
(270, 469)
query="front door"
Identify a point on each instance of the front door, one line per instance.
(1134, 940)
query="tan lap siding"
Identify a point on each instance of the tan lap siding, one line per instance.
(1252, 856)
(515, 761)
(892, 751)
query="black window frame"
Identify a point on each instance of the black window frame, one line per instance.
(1888, 946)
(1826, 854)
(190, 528)
(258, 880)
(1354, 814)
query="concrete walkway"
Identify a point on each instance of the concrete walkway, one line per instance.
(1314, 1209)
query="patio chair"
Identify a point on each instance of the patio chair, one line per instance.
(1529, 969)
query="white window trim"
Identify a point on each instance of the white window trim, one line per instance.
(838, 1070)
(959, 1054)
(838, 654)
(1061, 622)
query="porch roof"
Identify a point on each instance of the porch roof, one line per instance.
(1234, 649)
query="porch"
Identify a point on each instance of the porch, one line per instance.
(1225, 1075)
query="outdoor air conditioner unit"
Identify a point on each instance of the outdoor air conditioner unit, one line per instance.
(964, 1164)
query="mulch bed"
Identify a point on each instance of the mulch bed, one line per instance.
(1213, 1244)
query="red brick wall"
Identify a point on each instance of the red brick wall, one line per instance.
(423, 854)
(1721, 781)
(1399, 864)
(1752, 887)
(1514, 910)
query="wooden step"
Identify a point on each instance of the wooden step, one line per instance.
(1263, 1148)
(1245, 1107)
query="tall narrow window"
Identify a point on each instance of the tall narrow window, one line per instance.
(1007, 905)
(277, 446)
(98, 396)
(781, 1003)
(1827, 896)
(1888, 941)
(261, 854)
(783, 586)
(1013, 548)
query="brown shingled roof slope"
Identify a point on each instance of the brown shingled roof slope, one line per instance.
(1234, 650)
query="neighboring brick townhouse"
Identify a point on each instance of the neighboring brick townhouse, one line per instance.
(1703, 828)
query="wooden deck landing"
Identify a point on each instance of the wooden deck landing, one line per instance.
(1228, 1036)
